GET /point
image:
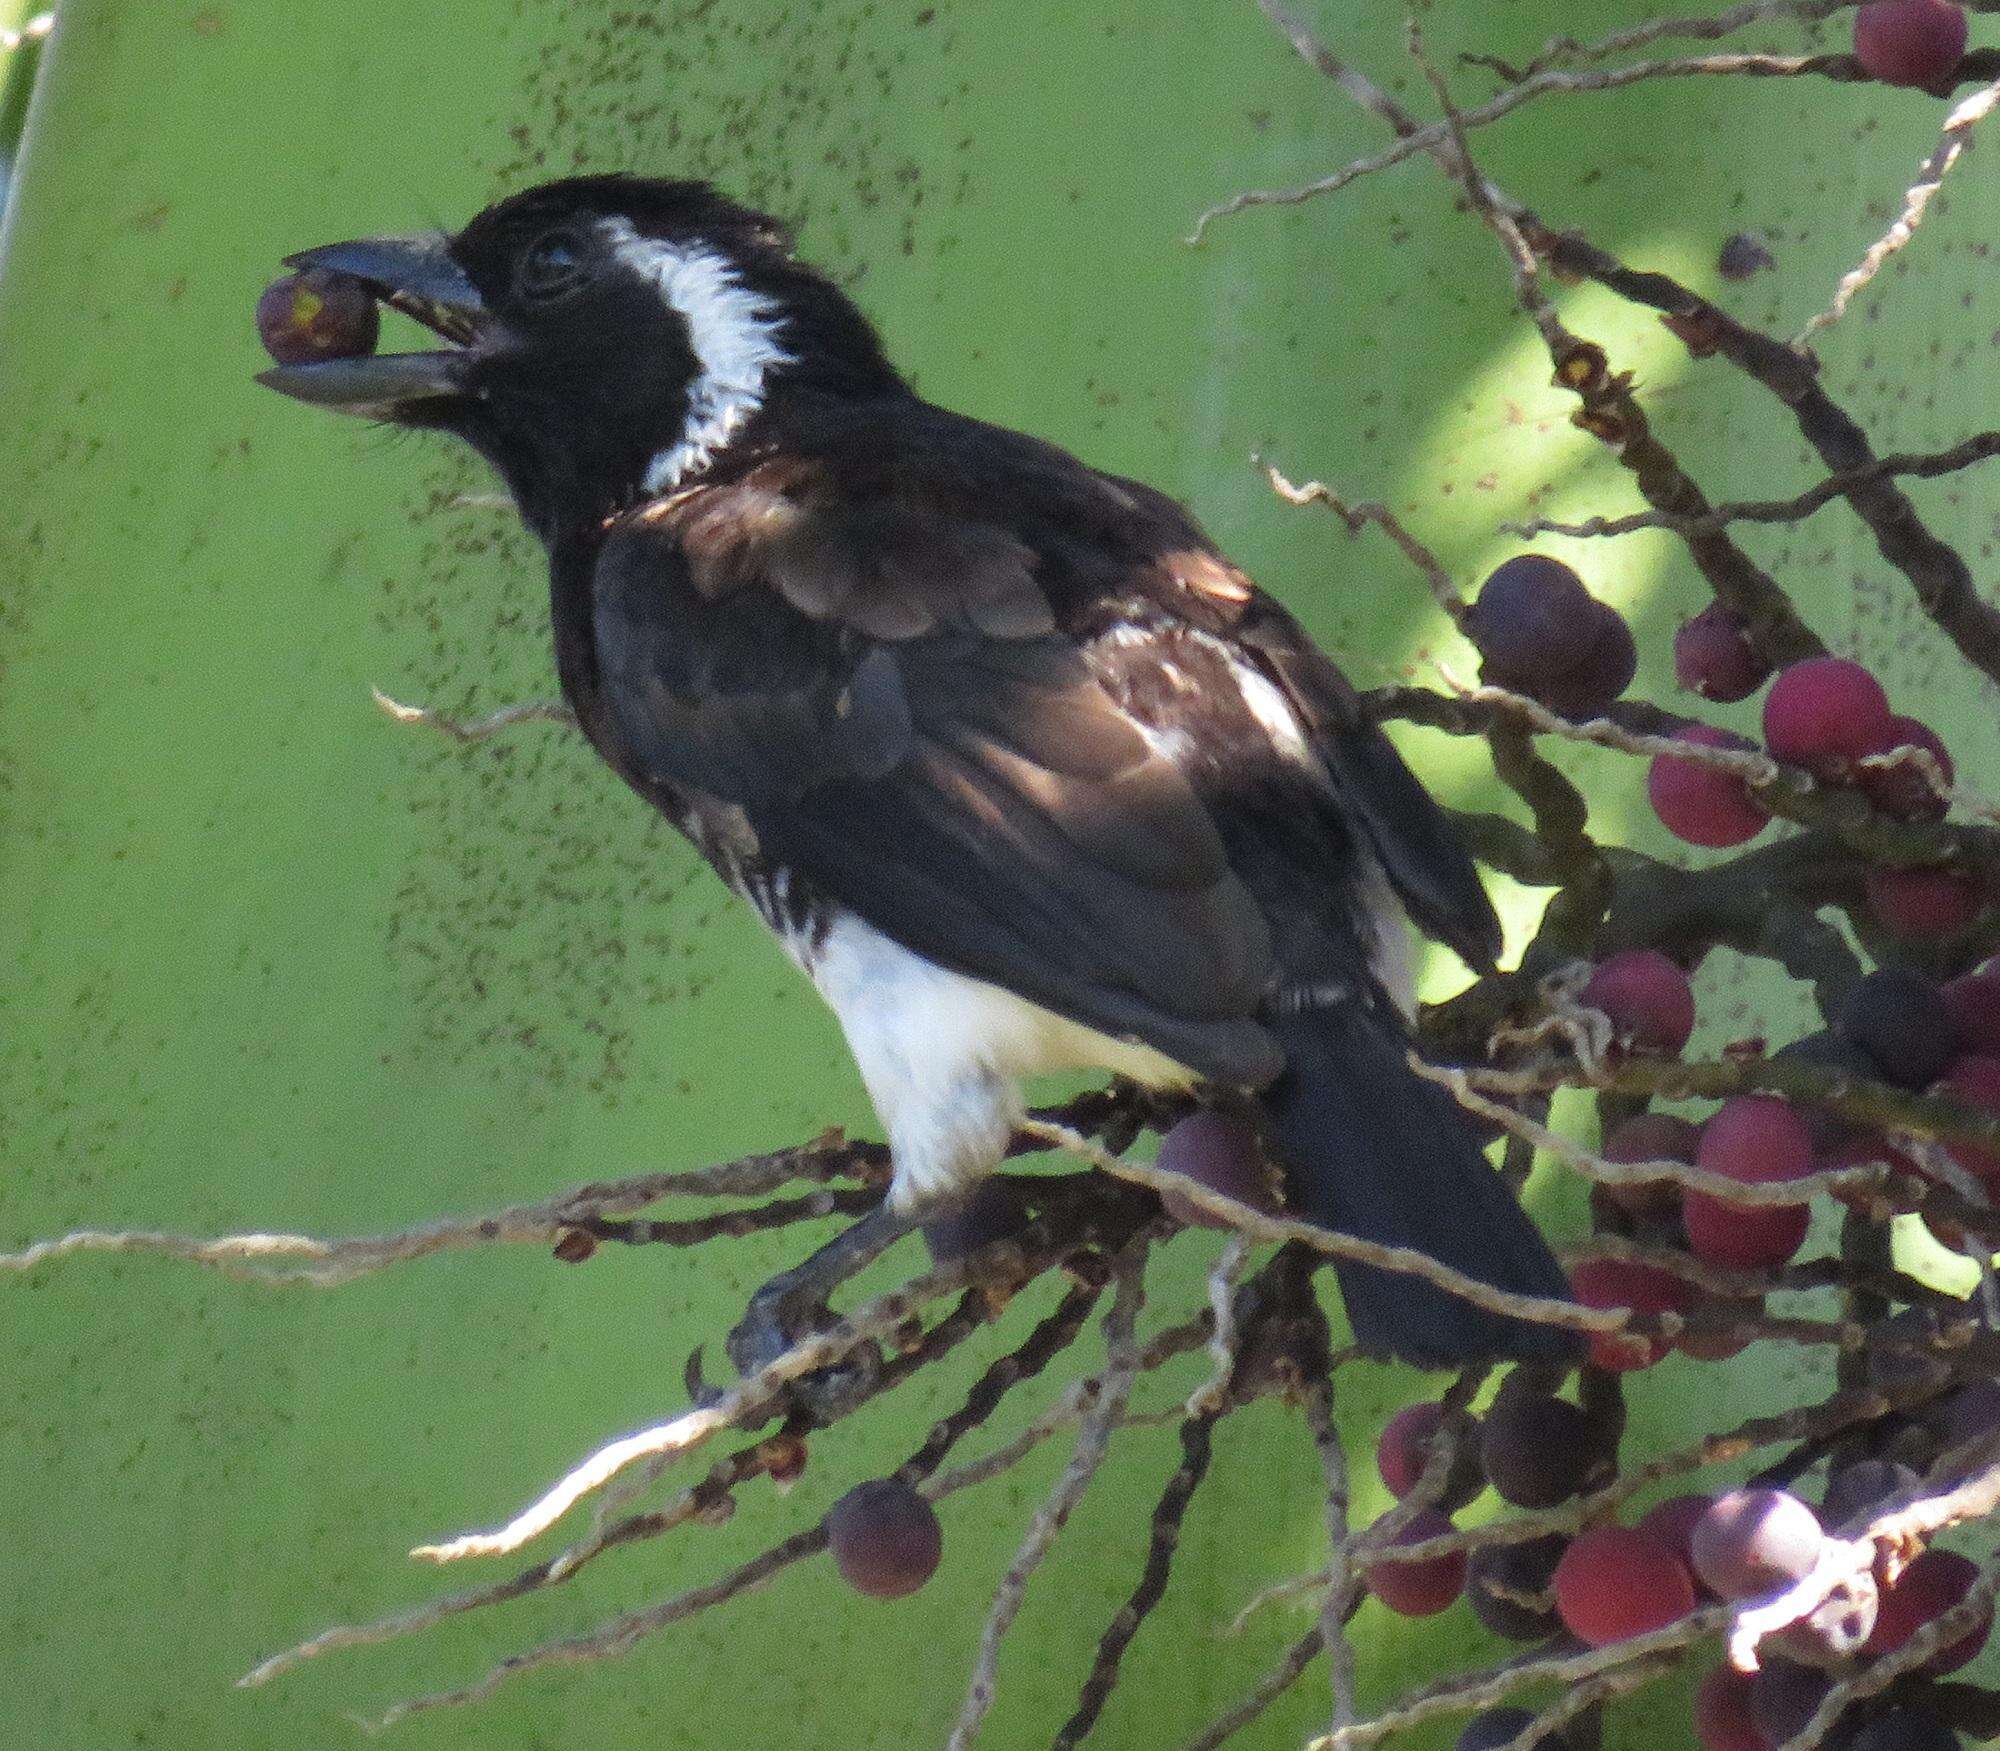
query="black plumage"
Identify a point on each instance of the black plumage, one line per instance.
(889, 664)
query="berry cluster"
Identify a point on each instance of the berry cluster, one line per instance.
(1609, 1583)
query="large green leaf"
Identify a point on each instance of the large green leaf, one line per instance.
(269, 960)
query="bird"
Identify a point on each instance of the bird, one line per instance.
(1021, 770)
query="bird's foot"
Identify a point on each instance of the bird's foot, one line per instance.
(782, 1315)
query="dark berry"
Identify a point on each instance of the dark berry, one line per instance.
(993, 1211)
(1905, 790)
(1649, 1137)
(1922, 902)
(1221, 1152)
(1699, 803)
(1647, 997)
(1844, 1060)
(1743, 1237)
(885, 1538)
(1905, 1729)
(1784, 1695)
(1910, 42)
(1616, 1582)
(1603, 672)
(1418, 1589)
(1494, 1727)
(1532, 621)
(1901, 1020)
(1537, 1449)
(1723, 1720)
(1825, 713)
(1932, 1584)
(1714, 657)
(1508, 1587)
(303, 318)
(1855, 1489)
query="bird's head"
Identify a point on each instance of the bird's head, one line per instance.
(607, 337)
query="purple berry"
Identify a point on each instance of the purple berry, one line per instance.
(1714, 657)
(1754, 1541)
(1824, 714)
(1532, 621)
(1700, 803)
(885, 1538)
(1910, 42)
(1221, 1152)
(303, 318)
(1647, 997)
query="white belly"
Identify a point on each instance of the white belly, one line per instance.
(943, 1054)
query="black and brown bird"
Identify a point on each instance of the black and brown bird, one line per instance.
(1022, 771)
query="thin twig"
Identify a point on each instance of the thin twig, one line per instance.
(1093, 1441)
(475, 729)
(1951, 145)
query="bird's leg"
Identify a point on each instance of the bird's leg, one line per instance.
(793, 1305)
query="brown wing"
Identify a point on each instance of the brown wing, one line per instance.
(879, 685)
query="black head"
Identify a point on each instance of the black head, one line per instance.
(611, 337)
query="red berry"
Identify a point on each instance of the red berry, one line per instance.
(1825, 712)
(1649, 1137)
(1975, 1080)
(1723, 1720)
(1974, 1002)
(1922, 902)
(1673, 1522)
(1910, 42)
(1932, 1584)
(1905, 790)
(1220, 1152)
(1699, 803)
(1647, 997)
(1419, 1589)
(885, 1538)
(1404, 1448)
(303, 318)
(1644, 1289)
(1714, 657)
(1743, 1237)
(1756, 1139)
(1616, 1582)
(1754, 1541)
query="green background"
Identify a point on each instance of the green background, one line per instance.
(269, 961)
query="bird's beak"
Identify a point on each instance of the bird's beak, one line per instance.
(416, 276)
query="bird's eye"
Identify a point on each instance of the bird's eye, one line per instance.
(553, 267)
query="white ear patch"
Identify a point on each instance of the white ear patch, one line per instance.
(734, 334)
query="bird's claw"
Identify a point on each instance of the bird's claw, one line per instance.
(780, 1317)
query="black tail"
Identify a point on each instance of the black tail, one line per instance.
(1371, 1149)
